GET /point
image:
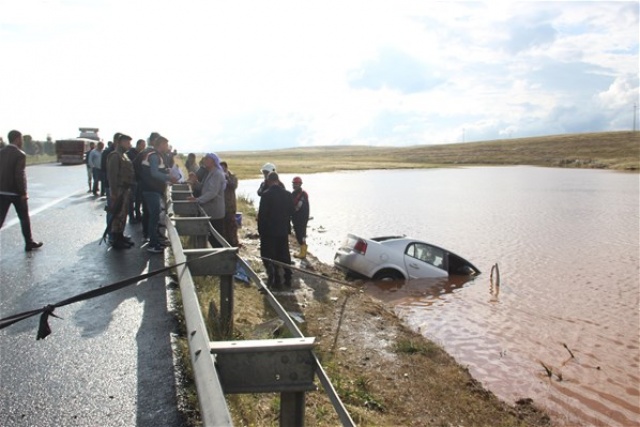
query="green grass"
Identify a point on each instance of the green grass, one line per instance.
(40, 159)
(423, 347)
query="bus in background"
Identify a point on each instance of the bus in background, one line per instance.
(72, 151)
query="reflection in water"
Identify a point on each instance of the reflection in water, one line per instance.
(567, 242)
(406, 291)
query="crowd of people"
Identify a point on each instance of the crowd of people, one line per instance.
(134, 179)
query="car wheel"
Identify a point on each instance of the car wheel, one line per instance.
(388, 275)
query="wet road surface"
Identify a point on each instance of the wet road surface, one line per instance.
(109, 360)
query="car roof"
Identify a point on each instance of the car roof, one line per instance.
(403, 242)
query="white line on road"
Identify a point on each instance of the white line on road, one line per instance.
(37, 210)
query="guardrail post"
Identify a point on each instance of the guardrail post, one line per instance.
(226, 305)
(292, 409)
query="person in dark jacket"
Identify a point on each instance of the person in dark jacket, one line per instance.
(135, 201)
(13, 186)
(230, 206)
(137, 167)
(300, 216)
(105, 178)
(274, 225)
(121, 177)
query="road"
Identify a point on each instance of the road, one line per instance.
(109, 360)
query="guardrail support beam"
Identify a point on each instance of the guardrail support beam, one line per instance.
(285, 365)
(222, 261)
(180, 194)
(192, 226)
(185, 208)
(180, 187)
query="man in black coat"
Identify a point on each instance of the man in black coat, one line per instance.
(274, 219)
(13, 187)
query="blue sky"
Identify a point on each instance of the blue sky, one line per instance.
(252, 75)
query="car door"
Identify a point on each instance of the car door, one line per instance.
(422, 260)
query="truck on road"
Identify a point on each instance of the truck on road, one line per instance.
(72, 151)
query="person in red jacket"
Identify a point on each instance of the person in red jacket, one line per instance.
(300, 216)
(13, 187)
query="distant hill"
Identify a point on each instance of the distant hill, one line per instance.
(602, 150)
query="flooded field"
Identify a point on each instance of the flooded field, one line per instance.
(567, 246)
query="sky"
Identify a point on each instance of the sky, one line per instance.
(254, 75)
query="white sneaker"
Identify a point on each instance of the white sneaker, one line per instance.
(155, 249)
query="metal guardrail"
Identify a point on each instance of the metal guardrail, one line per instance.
(205, 355)
(213, 406)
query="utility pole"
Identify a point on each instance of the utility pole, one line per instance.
(463, 131)
(635, 114)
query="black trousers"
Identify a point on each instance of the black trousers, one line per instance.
(300, 229)
(22, 209)
(218, 225)
(97, 182)
(277, 249)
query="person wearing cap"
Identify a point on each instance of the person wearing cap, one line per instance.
(300, 216)
(274, 226)
(121, 179)
(154, 179)
(211, 197)
(266, 169)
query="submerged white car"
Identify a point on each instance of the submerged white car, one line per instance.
(398, 257)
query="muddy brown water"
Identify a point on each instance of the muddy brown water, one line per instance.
(567, 246)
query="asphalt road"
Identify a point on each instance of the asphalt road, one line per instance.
(109, 360)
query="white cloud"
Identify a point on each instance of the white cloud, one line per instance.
(215, 75)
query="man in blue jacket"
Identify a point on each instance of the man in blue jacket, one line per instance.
(154, 176)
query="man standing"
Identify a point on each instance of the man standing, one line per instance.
(95, 160)
(300, 216)
(105, 178)
(135, 203)
(92, 145)
(230, 206)
(13, 186)
(103, 163)
(211, 197)
(266, 169)
(274, 225)
(121, 178)
(154, 179)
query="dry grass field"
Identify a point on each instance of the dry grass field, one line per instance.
(603, 150)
